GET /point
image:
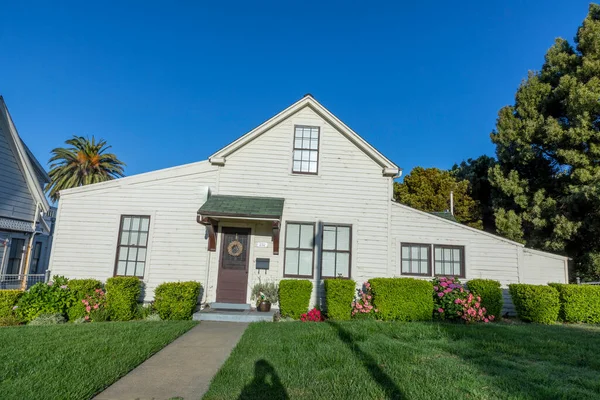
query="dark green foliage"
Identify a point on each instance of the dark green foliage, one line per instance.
(122, 294)
(490, 293)
(339, 294)
(579, 303)
(294, 297)
(176, 300)
(535, 303)
(476, 172)
(8, 299)
(81, 288)
(402, 299)
(548, 147)
(428, 189)
(53, 297)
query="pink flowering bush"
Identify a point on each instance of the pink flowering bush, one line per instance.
(362, 307)
(453, 302)
(95, 306)
(313, 315)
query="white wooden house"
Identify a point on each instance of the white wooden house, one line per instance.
(300, 196)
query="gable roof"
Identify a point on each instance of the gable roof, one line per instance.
(388, 167)
(30, 166)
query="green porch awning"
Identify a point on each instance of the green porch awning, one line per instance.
(219, 205)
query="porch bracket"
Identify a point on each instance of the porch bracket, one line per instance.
(211, 227)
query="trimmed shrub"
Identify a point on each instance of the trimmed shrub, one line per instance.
(176, 300)
(535, 303)
(402, 299)
(339, 294)
(81, 288)
(491, 295)
(53, 297)
(122, 293)
(579, 303)
(48, 319)
(294, 297)
(8, 300)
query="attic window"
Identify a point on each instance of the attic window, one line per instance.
(306, 150)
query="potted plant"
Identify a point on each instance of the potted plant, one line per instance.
(265, 294)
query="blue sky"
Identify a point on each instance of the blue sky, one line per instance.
(168, 83)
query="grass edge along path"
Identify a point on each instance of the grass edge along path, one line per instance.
(70, 361)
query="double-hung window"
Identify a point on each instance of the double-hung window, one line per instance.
(299, 249)
(416, 259)
(449, 261)
(306, 150)
(132, 245)
(336, 251)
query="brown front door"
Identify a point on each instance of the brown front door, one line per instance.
(233, 268)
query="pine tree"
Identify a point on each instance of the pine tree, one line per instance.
(548, 149)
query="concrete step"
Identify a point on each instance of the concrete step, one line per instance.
(230, 306)
(233, 315)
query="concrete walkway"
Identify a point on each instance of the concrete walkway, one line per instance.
(182, 369)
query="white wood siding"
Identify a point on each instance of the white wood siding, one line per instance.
(85, 240)
(349, 188)
(485, 256)
(542, 268)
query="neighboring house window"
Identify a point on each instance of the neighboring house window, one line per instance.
(15, 256)
(416, 259)
(35, 260)
(449, 260)
(336, 251)
(132, 246)
(306, 150)
(299, 249)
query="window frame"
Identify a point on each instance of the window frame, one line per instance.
(349, 251)
(294, 148)
(286, 248)
(463, 272)
(35, 261)
(122, 219)
(429, 258)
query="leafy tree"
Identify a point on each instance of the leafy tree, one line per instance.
(548, 148)
(84, 162)
(476, 171)
(428, 189)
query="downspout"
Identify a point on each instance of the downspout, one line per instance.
(29, 247)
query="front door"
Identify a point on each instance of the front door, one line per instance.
(233, 269)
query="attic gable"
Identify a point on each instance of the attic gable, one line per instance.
(388, 167)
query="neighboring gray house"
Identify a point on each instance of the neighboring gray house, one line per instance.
(25, 215)
(300, 196)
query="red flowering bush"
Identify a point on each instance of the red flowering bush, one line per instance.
(453, 302)
(363, 307)
(313, 315)
(95, 306)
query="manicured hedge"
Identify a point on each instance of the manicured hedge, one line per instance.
(490, 293)
(81, 288)
(339, 294)
(8, 299)
(535, 303)
(121, 296)
(402, 299)
(176, 300)
(294, 297)
(579, 303)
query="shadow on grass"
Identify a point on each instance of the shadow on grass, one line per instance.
(531, 361)
(386, 383)
(260, 388)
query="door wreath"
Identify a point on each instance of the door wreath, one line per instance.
(235, 248)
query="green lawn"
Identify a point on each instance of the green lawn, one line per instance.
(76, 361)
(373, 360)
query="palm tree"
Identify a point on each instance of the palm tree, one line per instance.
(83, 163)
